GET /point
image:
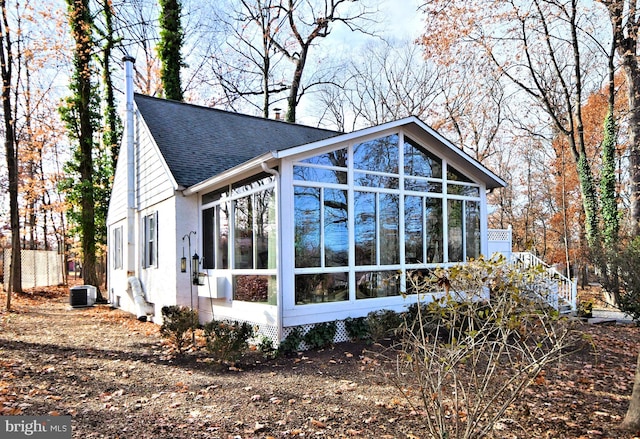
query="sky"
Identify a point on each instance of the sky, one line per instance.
(398, 19)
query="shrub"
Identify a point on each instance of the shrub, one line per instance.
(265, 347)
(585, 308)
(177, 323)
(469, 354)
(320, 335)
(628, 264)
(227, 341)
(383, 323)
(357, 328)
(292, 341)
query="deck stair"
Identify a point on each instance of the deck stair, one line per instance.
(563, 291)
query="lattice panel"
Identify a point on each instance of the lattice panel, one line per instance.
(341, 333)
(272, 332)
(499, 235)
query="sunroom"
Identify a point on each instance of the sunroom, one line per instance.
(329, 230)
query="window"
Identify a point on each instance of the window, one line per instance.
(150, 247)
(243, 214)
(405, 209)
(116, 245)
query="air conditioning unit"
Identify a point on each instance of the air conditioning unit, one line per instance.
(82, 295)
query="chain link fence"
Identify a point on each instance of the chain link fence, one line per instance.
(40, 268)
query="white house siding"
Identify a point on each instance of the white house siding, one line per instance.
(154, 194)
(118, 201)
(154, 181)
(186, 216)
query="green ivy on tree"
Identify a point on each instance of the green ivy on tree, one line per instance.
(171, 39)
(80, 113)
(610, 214)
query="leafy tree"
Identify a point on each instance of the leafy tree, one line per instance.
(112, 123)
(171, 39)
(80, 114)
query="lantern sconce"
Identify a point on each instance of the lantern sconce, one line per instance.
(183, 262)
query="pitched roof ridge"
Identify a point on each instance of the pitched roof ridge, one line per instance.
(233, 113)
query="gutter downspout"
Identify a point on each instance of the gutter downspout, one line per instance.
(279, 295)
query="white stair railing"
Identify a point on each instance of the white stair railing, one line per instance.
(564, 290)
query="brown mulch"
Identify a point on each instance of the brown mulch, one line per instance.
(117, 379)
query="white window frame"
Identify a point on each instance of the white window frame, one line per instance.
(117, 242)
(150, 241)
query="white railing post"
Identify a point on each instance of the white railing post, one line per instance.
(566, 289)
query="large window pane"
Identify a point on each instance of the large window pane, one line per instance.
(377, 155)
(460, 189)
(243, 233)
(455, 175)
(322, 175)
(417, 185)
(434, 219)
(419, 162)
(472, 228)
(255, 288)
(332, 158)
(307, 226)
(454, 210)
(389, 229)
(413, 236)
(336, 235)
(208, 238)
(265, 233)
(321, 287)
(222, 224)
(376, 180)
(251, 183)
(365, 228)
(370, 284)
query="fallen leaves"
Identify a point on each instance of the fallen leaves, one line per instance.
(103, 367)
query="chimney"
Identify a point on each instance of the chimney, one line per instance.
(129, 129)
(276, 112)
(129, 139)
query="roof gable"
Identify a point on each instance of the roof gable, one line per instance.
(200, 142)
(416, 129)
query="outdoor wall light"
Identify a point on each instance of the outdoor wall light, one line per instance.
(195, 264)
(183, 262)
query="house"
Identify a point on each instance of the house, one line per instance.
(283, 225)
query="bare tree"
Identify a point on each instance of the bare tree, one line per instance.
(544, 48)
(269, 45)
(625, 19)
(8, 107)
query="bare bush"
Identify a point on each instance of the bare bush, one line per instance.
(467, 355)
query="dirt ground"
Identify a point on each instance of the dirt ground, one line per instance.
(117, 379)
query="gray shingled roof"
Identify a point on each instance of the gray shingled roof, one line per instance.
(200, 142)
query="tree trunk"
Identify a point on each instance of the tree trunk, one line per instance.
(292, 99)
(171, 38)
(632, 419)
(633, 79)
(80, 20)
(6, 60)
